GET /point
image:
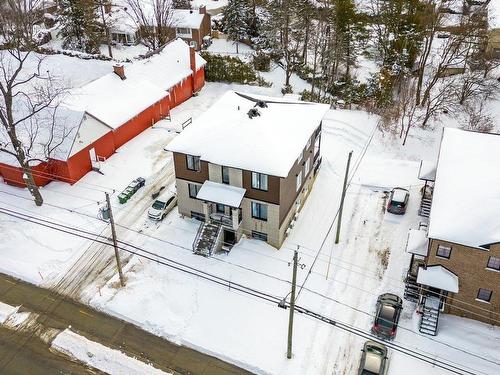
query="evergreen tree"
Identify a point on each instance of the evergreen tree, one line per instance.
(181, 4)
(81, 29)
(236, 20)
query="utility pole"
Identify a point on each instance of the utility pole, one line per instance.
(339, 219)
(115, 243)
(292, 304)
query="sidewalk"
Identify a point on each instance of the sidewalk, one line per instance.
(57, 312)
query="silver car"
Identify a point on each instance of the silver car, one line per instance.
(374, 360)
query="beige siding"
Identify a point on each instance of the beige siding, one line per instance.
(270, 227)
(184, 202)
(215, 172)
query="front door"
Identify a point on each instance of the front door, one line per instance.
(93, 159)
(229, 237)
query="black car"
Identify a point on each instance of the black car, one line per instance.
(398, 200)
(389, 308)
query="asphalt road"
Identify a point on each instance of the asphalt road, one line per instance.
(22, 354)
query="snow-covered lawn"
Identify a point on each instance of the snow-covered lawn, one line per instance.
(344, 283)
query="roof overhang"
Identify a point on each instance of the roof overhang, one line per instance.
(427, 171)
(221, 194)
(439, 277)
(418, 243)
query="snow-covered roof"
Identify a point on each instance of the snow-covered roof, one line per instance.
(427, 170)
(417, 242)
(466, 198)
(52, 132)
(168, 67)
(221, 193)
(189, 18)
(399, 195)
(114, 101)
(439, 277)
(269, 143)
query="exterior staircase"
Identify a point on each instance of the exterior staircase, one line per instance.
(425, 207)
(411, 288)
(430, 316)
(207, 238)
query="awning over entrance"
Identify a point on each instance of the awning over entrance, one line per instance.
(438, 277)
(417, 242)
(427, 171)
(221, 193)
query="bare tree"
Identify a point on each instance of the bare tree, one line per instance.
(474, 85)
(155, 20)
(477, 117)
(29, 97)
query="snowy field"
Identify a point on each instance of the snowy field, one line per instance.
(344, 283)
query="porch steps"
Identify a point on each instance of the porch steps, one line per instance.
(411, 289)
(206, 239)
(430, 316)
(425, 207)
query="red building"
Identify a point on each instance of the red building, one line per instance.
(110, 111)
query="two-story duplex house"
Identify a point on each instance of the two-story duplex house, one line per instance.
(459, 271)
(246, 166)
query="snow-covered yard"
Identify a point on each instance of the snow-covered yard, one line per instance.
(344, 283)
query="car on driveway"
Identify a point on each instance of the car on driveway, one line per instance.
(162, 205)
(398, 200)
(374, 360)
(389, 308)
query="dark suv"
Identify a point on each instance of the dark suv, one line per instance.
(389, 307)
(398, 200)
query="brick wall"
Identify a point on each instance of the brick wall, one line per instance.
(469, 264)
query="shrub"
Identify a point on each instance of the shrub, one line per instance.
(229, 69)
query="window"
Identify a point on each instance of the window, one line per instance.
(183, 31)
(193, 190)
(484, 295)
(219, 208)
(307, 167)
(259, 181)
(443, 251)
(259, 235)
(298, 181)
(193, 162)
(259, 211)
(494, 263)
(225, 175)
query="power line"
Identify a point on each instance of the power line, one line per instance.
(273, 258)
(221, 281)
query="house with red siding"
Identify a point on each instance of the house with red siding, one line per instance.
(104, 114)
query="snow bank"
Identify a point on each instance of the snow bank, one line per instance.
(388, 173)
(101, 357)
(6, 311)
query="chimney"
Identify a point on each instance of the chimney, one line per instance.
(119, 70)
(192, 59)
(203, 9)
(107, 7)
